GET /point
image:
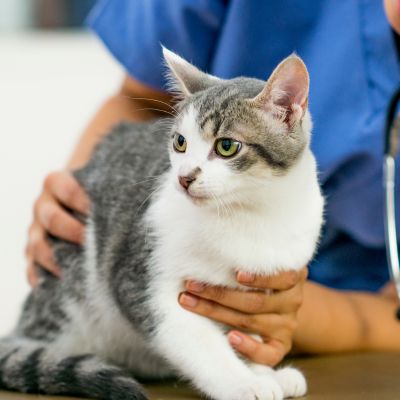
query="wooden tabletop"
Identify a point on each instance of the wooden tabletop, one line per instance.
(345, 377)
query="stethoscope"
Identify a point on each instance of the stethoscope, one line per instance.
(392, 131)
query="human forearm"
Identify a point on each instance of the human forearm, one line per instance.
(312, 317)
(134, 102)
(335, 321)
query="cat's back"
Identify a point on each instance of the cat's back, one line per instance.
(118, 178)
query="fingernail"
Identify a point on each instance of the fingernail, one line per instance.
(194, 286)
(245, 277)
(188, 300)
(235, 339)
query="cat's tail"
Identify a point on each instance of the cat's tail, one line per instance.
(38, 367)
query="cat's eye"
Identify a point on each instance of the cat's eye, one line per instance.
(179, 143)
(226, 147)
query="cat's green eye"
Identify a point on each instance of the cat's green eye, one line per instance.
(179, 143)
(227, 147)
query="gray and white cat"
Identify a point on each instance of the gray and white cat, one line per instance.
(229, 181)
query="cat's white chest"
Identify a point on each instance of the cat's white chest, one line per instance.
(193, 243)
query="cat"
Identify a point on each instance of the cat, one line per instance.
(228, 181)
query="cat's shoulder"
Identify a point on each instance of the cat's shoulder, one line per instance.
(130, 152)
(129, 137)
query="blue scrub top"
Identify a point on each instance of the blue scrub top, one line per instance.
(354, 68)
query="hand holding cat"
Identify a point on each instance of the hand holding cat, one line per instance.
(272, 316)
(60, 191)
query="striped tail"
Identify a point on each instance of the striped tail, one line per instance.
(33, 367)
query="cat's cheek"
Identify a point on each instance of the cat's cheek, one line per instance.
(218, 179)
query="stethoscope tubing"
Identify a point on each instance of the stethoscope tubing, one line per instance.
(392, 129)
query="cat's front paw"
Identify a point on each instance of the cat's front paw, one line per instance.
(292, 382)
(260, 388)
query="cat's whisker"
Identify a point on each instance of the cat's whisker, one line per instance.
(147, 198)
(224, 213)
(223, 206)
(225, 209)
(228, 208)
(156, 109)
(145, 181)
(238, 200)
(150, 99)
(218, 219)
(216, 202)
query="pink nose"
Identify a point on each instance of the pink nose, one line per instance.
(185, 181)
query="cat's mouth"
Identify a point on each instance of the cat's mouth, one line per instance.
(196, 198)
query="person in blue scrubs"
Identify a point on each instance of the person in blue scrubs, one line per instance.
(353, 58)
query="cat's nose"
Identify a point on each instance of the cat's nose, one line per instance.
(185, 181)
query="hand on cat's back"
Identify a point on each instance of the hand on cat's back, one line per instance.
(61, 192)
(269, 311)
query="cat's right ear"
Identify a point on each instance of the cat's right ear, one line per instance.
(184, 77)
(285, 95)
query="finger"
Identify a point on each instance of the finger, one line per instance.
(218, 313)
(31, 274)
(270, 353)
(251, 302)
(282, 281)
(272, 326)
(40, 252)
(68, 191)
(60, 224)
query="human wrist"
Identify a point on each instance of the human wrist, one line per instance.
(303, 342)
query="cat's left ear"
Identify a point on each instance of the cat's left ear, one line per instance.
(186, 78)
(285, 94)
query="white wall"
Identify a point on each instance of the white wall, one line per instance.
(50, 85)
(15, 14)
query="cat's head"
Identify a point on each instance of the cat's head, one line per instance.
(233, 137)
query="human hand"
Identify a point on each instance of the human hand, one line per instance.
(389, 291)
(60, 191)
(392, 8)
(268, 311)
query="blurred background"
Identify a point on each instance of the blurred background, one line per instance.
(54, 74)
(48, 14)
